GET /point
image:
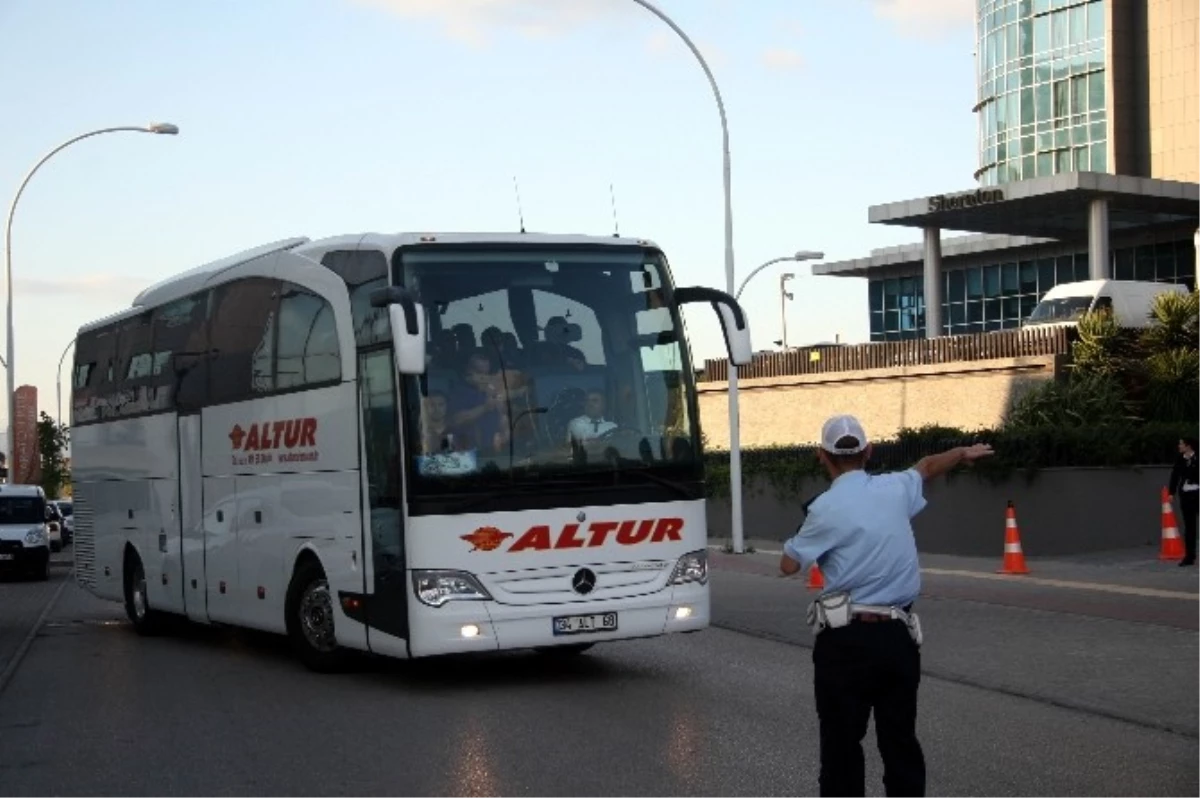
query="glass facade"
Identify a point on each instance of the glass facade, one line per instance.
(1042, 105)
(998, 296)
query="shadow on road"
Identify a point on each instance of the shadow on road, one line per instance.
(451, 673)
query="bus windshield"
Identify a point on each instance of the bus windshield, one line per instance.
(562, 363)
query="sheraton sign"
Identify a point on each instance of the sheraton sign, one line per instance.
(950, 202)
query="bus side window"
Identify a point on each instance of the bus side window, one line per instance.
(242, 333)
(132, 368)
(89, 350)
(1103, 303)
(179, 367)
(363, 270)
(307, 352)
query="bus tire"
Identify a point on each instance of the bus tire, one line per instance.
(310, 619)
(146, 621)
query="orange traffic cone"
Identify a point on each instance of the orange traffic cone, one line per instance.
(815, 580)
(1172, 546)
(1014, 557)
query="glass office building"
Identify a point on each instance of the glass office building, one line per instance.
(1088, 166)
(1041, 105)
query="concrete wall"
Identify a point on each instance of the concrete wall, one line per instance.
(1060, 512)
(790, 410)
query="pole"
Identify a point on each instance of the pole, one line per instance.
(735, 454)
(58, 381)
(783, 307)
(12, 209)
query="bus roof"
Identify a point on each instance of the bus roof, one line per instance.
(197, 278)
(393, 241)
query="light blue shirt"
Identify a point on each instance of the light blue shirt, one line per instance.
(860, 534)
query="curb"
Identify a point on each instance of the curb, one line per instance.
(11, 668)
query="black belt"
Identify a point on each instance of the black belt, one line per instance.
(878, 617)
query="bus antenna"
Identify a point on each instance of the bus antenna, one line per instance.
(520, 213)
(613, 199)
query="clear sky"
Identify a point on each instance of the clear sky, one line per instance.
(322, 117)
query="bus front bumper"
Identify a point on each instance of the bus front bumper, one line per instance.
(468, 626)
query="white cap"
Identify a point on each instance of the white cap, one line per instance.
(839, 427)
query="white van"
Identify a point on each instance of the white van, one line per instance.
(1129, 300)
(24, 530)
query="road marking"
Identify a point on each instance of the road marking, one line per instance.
(11, 668)
(1103, 587)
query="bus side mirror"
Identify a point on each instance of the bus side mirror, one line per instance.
(407, 319)
(733, 320)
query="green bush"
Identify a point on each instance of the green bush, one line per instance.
(1085, 398)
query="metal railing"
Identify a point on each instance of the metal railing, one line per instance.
(1030, 342)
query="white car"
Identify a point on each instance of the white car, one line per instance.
(66, 508)
(24, 530)
(54, 527)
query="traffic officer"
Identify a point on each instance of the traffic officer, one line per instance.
(867, 651)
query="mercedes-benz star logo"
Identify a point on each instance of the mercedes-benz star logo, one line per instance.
(583, 582)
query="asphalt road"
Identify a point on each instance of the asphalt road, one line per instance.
(1015, 701)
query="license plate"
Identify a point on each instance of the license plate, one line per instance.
(581, 624)
(6, 556)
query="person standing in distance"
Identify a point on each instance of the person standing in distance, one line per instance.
(1185, 483)
(867, 651)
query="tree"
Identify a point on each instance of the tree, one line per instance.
(1170, 362)
(52, 446)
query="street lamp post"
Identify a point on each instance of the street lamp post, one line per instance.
(737, 537)
(58, 380)
(784, 296)
(735, 452)
(161, 128)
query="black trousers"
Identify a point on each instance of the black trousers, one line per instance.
(1189, 508)
(859, 668)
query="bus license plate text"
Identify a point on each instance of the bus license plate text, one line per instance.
(578, 624)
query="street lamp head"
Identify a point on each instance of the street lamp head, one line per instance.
(808, 254)
(786, 276)
(163, 128)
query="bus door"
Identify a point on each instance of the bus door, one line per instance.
(387, 585)
(191, 518)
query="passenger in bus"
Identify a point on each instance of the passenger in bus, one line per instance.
(592, 424)
(478, 404)
(559, 334)
(443, 350)
(464, 342)
(436, 435)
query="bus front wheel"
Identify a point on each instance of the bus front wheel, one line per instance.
(310, 619)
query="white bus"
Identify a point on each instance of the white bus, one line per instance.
(405, 444)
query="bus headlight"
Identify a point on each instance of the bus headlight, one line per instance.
(35, 536)
(692, 567)
(435, 588)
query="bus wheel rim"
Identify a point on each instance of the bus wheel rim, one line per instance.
(139, 595)
(316, 617)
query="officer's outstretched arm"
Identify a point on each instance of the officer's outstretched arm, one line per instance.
(937, 464)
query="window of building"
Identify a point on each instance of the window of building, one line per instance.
(999, 296)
